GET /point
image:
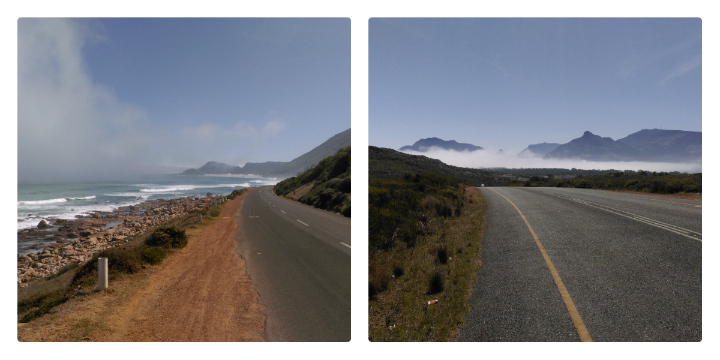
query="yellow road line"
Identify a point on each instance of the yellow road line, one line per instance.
(574, 314)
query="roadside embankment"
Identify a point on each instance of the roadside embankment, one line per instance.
(199, 293)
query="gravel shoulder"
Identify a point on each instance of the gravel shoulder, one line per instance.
(201, 293)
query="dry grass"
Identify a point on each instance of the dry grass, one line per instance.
(451, 254)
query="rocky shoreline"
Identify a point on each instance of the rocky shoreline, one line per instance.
(59, 242)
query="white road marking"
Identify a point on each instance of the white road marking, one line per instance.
(283, 211)
(345, 244)
(303, 223)
(659, 224)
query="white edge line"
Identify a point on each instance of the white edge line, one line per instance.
(346, 245)
(303, 223)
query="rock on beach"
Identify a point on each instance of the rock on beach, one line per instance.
(78, 240)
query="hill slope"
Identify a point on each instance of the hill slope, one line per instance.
(325, 186)
(388, 163)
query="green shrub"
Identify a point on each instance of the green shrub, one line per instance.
(235, 193)
(153, 255)
(121, 260)
(37, 305)
(436, 284)
(442, 255)
(168, 237)
(346, 210)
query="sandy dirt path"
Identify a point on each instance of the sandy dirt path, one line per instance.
(201, 293)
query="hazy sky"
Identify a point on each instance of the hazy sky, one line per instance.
(113, 96)
(508, 83)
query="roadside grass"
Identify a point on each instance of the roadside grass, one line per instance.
(441, 265)
(84, 329)
(43, 294)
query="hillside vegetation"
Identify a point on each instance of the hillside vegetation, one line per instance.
(642, 181)
(388, 164)
(424, 254)
(325, 186)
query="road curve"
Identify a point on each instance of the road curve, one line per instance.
(298, 257)
(631, 267)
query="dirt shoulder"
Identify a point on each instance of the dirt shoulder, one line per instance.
(201, 293)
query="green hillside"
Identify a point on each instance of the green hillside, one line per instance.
(391, 164)
(325, 186)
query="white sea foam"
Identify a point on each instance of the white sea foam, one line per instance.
(135, 195)
(42, 202)
(176, 188)
(82, 198)
(267, 181)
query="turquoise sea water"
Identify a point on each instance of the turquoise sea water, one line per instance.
(65, 201)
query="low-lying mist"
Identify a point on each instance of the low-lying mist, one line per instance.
(488, 159)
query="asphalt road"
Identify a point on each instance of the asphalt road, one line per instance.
(298, 257)
(630, 267)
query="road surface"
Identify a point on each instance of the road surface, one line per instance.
(574, 264)
(299, 259)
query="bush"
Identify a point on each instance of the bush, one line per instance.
(235, 193)
(442, 255)
(168, 237)
(346, 210)
(37, 305)
(122, 260)
(436, 284)
(153, 255)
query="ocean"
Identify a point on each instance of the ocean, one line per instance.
(38, 202)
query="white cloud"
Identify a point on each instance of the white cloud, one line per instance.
(681, 69)
(273, 127)
(201, 133)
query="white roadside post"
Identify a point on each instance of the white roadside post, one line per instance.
(102, 273)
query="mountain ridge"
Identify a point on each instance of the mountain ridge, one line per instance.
(278, 168)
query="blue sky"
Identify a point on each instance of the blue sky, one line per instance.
(506, 83)
(173, 93)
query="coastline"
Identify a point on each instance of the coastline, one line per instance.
(62, 242)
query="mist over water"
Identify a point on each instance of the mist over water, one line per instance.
(488, 159)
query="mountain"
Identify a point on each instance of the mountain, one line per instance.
(595, 148)
(538, 150)
(279, 168)
(389, 163)
(423, 145)
(666, 145)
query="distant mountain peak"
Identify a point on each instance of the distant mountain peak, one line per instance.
(423, 145)
(595, 148)
(279, 168)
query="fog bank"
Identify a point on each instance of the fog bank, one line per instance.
(489, 159)
(69, 127)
